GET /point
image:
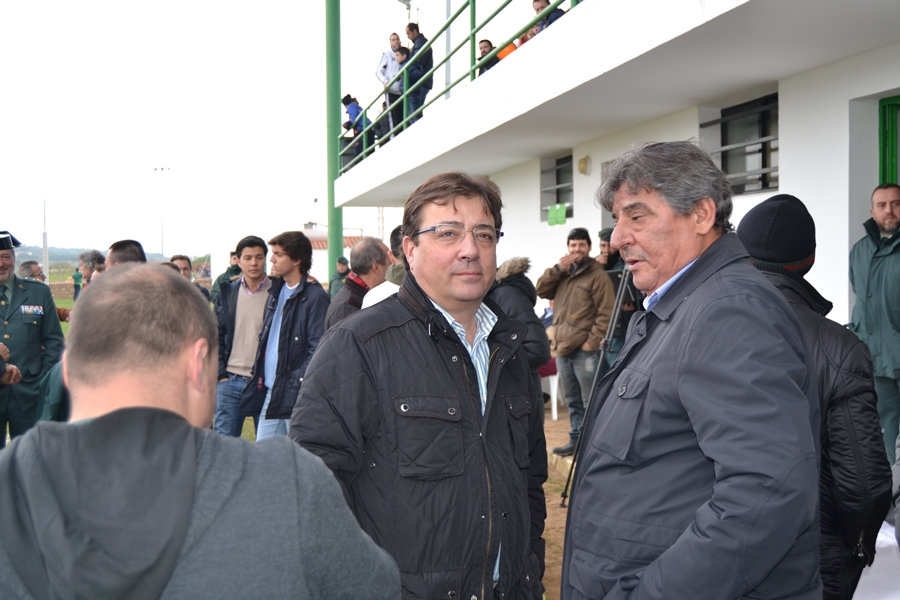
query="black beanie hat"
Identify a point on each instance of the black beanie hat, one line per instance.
(780, 232)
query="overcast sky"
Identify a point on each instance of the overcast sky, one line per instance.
(98, 98)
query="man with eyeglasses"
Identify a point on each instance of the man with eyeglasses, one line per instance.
(424, 407)
(583, 297)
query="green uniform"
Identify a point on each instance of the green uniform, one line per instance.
(230, 273)
(30, 329)
(875, 277)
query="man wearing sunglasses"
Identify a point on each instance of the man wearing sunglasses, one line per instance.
(424, 407)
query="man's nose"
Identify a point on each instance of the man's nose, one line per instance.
(616, 240)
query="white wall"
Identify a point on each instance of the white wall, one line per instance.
(526, 235)
(682, 125)
(817, 144)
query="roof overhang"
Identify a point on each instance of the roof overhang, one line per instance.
(616, 65)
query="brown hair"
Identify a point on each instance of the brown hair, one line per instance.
(122, 325)
(297, 246)
(184, 258)
(445, 189)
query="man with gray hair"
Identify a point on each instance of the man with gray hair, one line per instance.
(369, 260)
(698, 472)
(31, 269)
(87, 264)
(137, 498)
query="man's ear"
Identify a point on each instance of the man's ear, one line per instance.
(704, 215)
(65, 368)
(409, 248)
(199, 364)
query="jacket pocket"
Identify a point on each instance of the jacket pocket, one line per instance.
(429, 436)
(519, 407)
(424, 585)
(618, 417)
(31, 327)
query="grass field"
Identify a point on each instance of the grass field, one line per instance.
(65, 303)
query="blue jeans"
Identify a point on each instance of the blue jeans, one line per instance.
(267, 428)
(416, 100)
(576, 372)
(228, 419)
(612, 353)
(888, 391)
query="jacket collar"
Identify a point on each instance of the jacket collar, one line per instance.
(727, 249)
(796, 289)
(505, 332)
(873, 232)
(278, 283)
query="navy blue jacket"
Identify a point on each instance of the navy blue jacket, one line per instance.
(424, 62)
(302, 324)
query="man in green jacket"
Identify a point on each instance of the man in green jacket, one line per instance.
(875, 277)
(233, 270)
(30, 329)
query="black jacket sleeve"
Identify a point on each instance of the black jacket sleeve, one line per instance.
(516, 306)
(220, 306)
(853, 448)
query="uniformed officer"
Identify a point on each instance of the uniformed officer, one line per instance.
(31, 331)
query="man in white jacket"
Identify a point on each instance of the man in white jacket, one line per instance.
(387, 68)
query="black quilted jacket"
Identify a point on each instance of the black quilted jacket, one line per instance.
(855, 478)
(391, 404)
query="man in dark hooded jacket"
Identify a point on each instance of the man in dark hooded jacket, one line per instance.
(854, 477)
(515, 295)
(138, 498)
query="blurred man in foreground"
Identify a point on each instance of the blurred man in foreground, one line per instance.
(136, 498)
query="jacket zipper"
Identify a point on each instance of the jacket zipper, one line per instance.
(487, 473)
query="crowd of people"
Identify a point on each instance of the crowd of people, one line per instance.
(418, 62)
(731, 443)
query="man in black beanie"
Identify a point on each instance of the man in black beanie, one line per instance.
(854, 478)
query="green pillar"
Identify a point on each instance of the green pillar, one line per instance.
(333, 125)
(473, 45)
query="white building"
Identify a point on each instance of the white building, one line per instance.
(804, 77)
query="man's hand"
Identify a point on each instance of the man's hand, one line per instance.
(567, 261)
(587, 347)
(602, 259)
(11, 376)
(4, 352)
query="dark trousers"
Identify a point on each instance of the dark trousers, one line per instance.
(19, 421)
(396, 108)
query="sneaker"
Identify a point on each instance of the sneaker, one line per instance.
(567, 450)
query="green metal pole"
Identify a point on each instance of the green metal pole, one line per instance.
(473, 46)
(405, 98)
(333, 125)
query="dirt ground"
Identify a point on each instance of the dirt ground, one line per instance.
(557, 433)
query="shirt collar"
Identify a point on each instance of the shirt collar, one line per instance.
(651, 300)
(485, 319)
(263, 285)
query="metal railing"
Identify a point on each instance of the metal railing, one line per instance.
(361, 139)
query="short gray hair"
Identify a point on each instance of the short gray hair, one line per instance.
(92, 258)
(680, 172)
(26, 269)
(365, 253)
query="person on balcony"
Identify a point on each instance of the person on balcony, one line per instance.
(425, 63)
(388, 67)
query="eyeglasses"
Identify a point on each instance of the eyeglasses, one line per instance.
(451, 235)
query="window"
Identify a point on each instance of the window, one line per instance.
(556, 185)
(749, 144)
